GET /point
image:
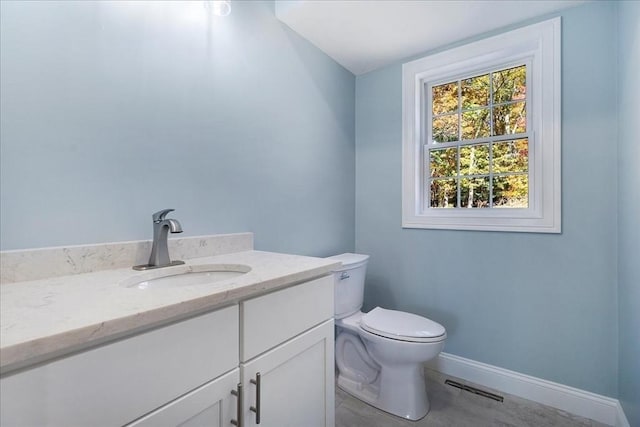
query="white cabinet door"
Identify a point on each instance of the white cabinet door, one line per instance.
(296, 382)
(210, 405)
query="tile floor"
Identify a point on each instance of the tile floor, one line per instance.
(452, 407)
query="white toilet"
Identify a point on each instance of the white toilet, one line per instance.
(380, 354)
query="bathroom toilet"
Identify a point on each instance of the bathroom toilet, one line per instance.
(380, 354)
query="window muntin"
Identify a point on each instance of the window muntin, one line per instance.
(476, 147)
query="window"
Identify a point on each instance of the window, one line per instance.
(481, 134)
(477, 144)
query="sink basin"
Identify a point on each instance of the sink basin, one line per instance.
(186, 275)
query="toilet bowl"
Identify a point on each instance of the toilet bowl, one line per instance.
(380, 354)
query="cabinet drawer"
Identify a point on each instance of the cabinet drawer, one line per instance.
(274, 318)
(116, 383)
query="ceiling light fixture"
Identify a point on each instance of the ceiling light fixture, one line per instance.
(221, 7)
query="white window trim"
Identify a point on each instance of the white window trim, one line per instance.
(539, 46)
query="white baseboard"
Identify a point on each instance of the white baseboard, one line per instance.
(575, 401)
(621, 418)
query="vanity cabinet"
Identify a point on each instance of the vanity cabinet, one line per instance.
(270, 356)
(284, 381)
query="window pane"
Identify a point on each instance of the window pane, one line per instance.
(444, 193)
(511, 191)
(510, 85)
(443, 162)
(474, 159)
(510, 118)
(474, 192)
(445, 128)
(475, 92)
(475, 123)
(445, 98)
(511, 156)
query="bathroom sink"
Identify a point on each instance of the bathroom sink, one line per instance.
(186, 275)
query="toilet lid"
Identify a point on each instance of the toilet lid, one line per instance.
(402, 326)
(349, 260)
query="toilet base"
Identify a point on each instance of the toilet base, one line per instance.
(410, 404)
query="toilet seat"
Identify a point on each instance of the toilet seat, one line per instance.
(401, 326)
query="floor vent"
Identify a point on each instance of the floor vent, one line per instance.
(474, 390)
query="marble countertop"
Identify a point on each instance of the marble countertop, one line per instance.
(46, 318)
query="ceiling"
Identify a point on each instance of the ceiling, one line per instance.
(363, 35)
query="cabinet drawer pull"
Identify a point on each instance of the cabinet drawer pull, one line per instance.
(238, 394)
(256, 408)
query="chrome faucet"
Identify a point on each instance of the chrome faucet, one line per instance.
(159, 251)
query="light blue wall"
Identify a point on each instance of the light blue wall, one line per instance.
(540, 304)
(112, 110)
(629, 209)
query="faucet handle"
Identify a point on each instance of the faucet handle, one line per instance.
(159, 216)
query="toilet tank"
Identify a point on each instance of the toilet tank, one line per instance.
(349, 283)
